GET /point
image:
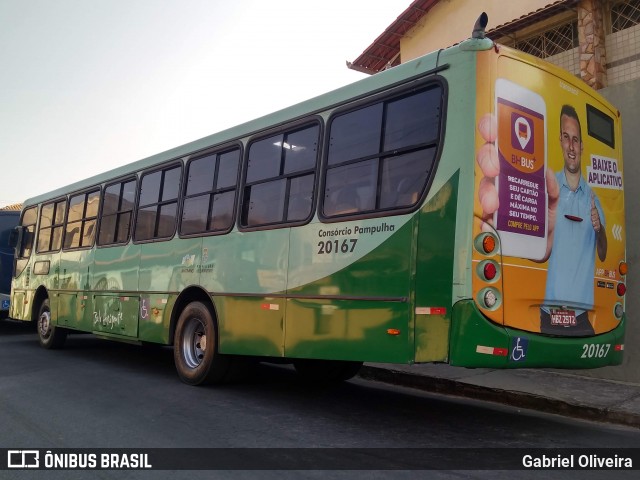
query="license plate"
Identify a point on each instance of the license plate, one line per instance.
(565, 318)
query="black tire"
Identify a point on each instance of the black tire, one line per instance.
(50, 336)
(195, 347)
(326, 371)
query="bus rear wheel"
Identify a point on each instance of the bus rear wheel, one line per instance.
(49, 335)
(195, 347)
(326, 371)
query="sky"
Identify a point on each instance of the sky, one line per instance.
(90, 85)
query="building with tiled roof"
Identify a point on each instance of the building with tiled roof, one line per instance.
(598, 40)
(13, 208)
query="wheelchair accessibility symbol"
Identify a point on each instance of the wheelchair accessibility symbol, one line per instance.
(519, 346)
(144, 311)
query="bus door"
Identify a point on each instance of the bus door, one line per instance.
(20, 308)
(73, 280)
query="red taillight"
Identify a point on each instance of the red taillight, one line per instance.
(490, 271)
(622, 289)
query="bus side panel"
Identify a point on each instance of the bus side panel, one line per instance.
(434, 273)
(348, 330)
(166, 268)
(245, 272)
(73, 287)
(349, 291)
(111, 307)
(474, 341)
(42, 271)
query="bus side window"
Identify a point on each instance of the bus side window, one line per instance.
(51, 226)
(81, 220)
(346, 201)
(117, 210)
(158, 204)
(281, 177)
(384, 153)
(351, 188)
(404, 177)
(210, 193)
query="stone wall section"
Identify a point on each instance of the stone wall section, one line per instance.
(591, 34)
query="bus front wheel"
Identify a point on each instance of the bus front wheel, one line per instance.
(49, 335)
(195, 347)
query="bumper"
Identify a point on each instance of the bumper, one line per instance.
(477, 342)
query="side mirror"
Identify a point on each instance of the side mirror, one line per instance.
(14, 237)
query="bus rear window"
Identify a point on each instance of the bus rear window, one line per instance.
(600, 126)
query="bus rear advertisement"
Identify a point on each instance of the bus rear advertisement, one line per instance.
(466, 207)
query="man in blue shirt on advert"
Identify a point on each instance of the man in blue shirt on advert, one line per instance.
(579, 230)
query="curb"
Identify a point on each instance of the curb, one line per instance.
(512, 398)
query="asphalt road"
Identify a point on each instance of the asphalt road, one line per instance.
(99, 394)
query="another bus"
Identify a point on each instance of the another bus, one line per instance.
(409, 217)
(8, 221)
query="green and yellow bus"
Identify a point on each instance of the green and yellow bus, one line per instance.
(419, 215)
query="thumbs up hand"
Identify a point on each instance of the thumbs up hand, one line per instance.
(595, 216)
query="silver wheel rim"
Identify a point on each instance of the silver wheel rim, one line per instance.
(44, 324)
(194, 342)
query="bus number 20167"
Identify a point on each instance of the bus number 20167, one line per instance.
(347, 245)
(595, 350)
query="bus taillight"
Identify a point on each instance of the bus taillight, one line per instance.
(489, 298)
(488, 244)
(618, 311)
(490, 271)
(622, 289)
(623, 268)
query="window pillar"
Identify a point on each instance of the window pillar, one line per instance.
(591, 34)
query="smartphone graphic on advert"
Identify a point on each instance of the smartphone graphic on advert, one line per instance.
(521, 219)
